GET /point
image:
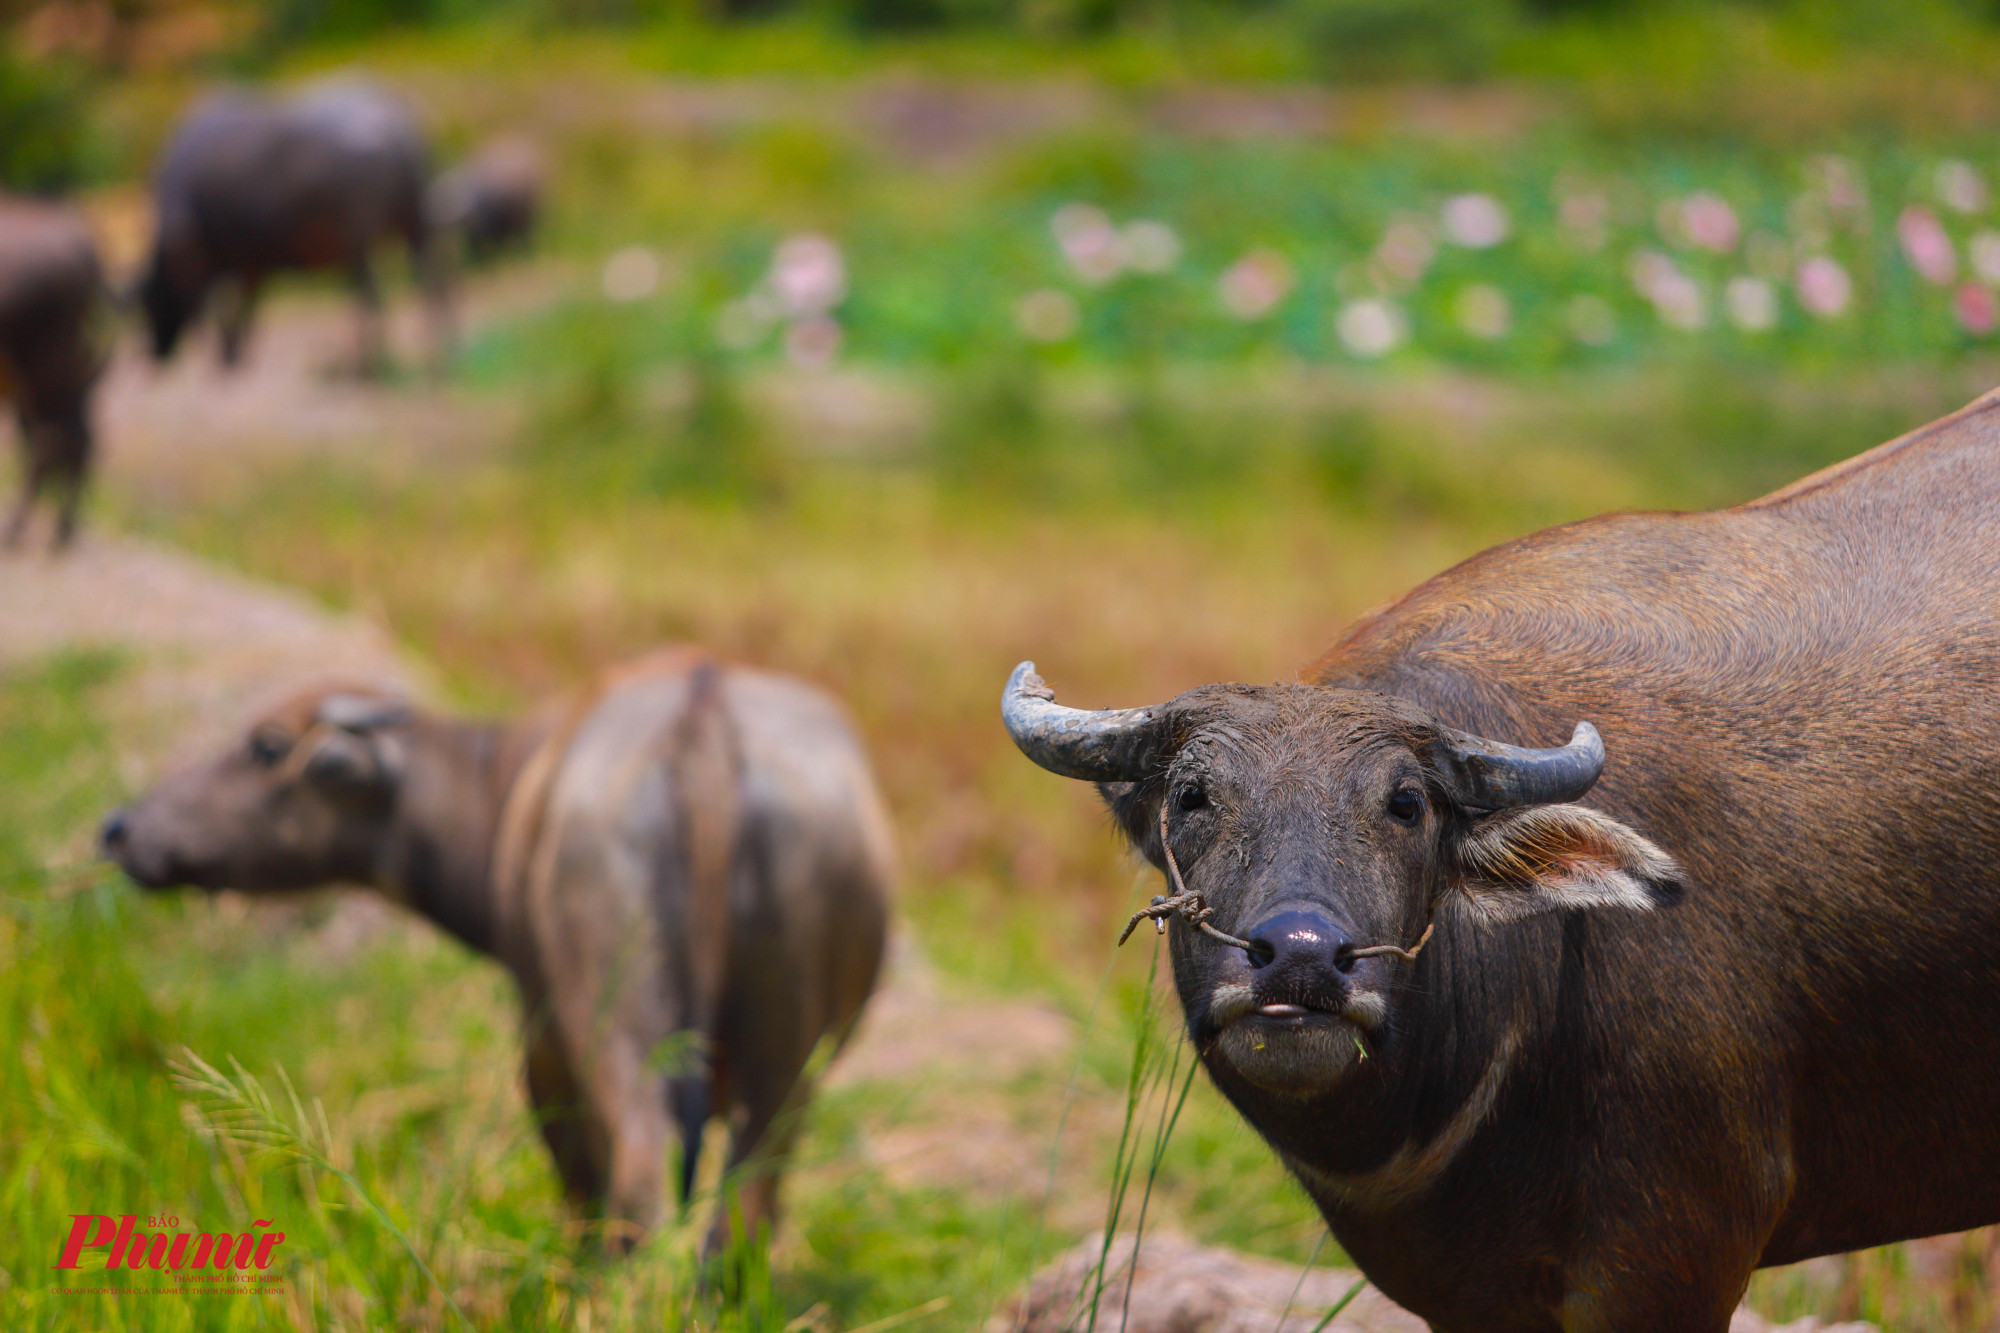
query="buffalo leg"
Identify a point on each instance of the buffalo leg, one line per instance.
(692, 1108)
(560, 1114)
(630, 1102)
(73, 464)
(428, 255)
(72, 496)
(760, 1143)
(32, 481)
(371, 357)
(233, 324)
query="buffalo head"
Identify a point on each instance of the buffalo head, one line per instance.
(303, 800)
(171, 293)
(1320, 822)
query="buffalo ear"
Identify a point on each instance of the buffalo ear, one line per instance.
(1543, 858)
(1136, 816)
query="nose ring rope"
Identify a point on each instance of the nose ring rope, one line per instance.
(1192, 906)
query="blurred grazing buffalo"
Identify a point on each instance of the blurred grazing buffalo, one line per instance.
(686, 872)
(492, 201)
(52, 297)
(250, 187)
(1576, 1107)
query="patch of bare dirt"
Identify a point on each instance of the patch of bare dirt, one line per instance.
(959, 1067)
(204, 644)
(1180, 1286)
(191, 430)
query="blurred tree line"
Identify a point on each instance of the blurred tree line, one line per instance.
(53, 53)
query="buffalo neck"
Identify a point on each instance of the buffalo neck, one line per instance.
(439, 854)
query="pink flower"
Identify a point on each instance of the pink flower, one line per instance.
(1710, 222)
(1961, 187)
(1475, 221)
(1585, 215)
(1147, 246)
(1404, 253)
(1840, 184)
(1984, 253)
(1252, 287)
(1926, 246)
(1371, 327)
(1088, 241)
(1975, 308)
(1752, 302)
(808, 275)
(1677, 298)
(1824, 287)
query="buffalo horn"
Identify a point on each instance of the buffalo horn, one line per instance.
(1103, 745)
(362, 712)
(1489, 775)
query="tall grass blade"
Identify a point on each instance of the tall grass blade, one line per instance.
(1299, 1286)
(1163, 1133)
(241, 1111)
(1341, 1304)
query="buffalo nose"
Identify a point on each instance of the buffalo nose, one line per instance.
(1300, 941)
(112, 836)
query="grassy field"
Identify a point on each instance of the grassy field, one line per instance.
(974, 435)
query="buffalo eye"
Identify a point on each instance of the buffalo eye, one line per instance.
(268, 747)
(1191, 797)
(1406, 805)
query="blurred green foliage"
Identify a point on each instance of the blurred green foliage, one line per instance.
(47, 137)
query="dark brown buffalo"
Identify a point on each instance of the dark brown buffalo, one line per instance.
(1581, 1107)
(687, 874)
(52, 299)
(250, 187)
(492, 201)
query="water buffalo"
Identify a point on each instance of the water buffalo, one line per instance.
(250, 187)
(686, 872)
(492, 201)
(1710, 991)
(52, 297)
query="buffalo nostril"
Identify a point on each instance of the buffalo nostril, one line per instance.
(112, 836)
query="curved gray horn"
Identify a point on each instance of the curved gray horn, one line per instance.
(1103, 745)
(362, 712)
(1490, 775)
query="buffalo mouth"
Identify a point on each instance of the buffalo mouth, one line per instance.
(1240, 1002)
(1292, 1044)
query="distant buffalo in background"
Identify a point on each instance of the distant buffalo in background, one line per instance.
(52, 298)
(687, 873)
(250, 187)
(493, 200)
